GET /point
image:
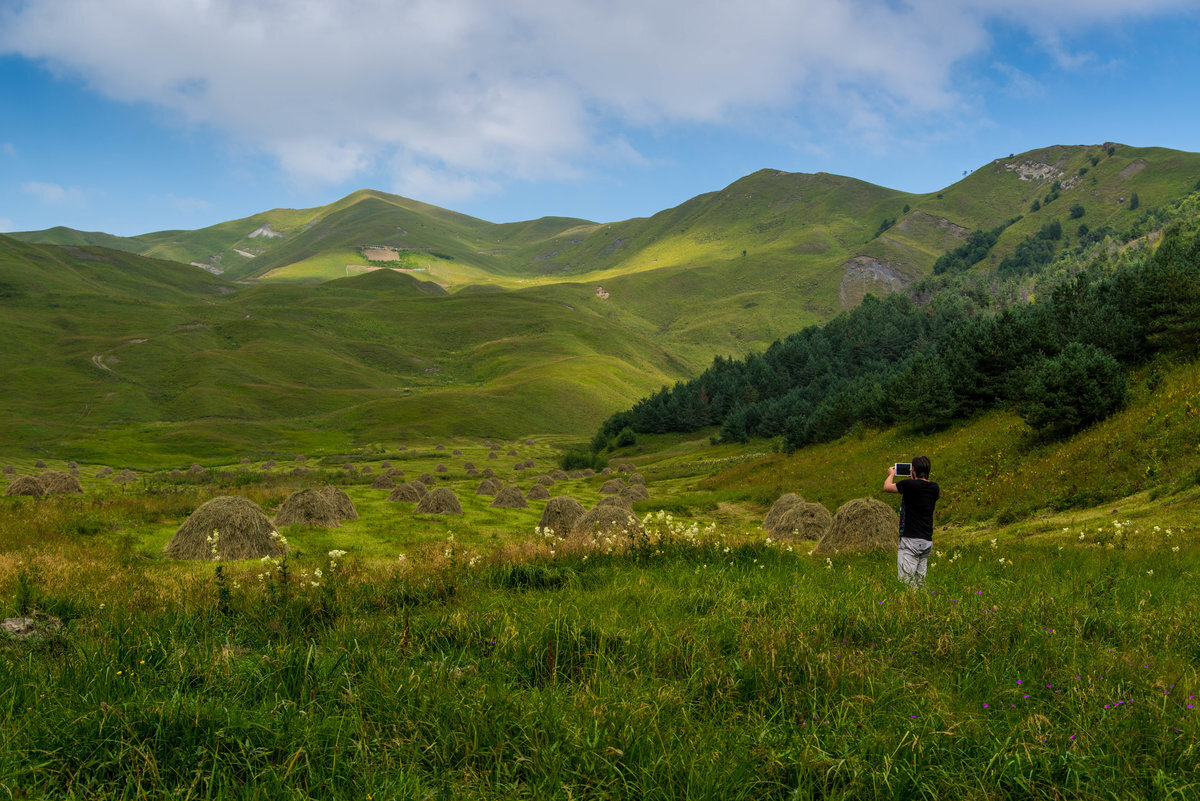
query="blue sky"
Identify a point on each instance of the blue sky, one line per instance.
(131, 116)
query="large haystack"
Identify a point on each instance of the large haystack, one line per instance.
(509, 498)
(383, 481)
(59, 483)
(560, 514)
(340, 501)
(635, 492)
(26, 485)
(863, 524)
(603, 520)
(616, 500)
(781, 506)
(439, 501)
(804, 521)
(489, 486)
(612, 486)
(307, 507)
(245, 532)
(538, 493)
(406, 493)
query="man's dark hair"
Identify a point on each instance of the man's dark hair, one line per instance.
(921, 466)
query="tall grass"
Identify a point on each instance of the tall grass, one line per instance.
(685, 663)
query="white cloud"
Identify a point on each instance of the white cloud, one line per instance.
(460, 94)
(54, 194)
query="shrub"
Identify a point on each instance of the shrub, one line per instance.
(1064, 393)
(582, 460)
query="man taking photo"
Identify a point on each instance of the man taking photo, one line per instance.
(918, 496)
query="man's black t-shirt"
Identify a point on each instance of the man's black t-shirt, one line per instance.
(917, 499)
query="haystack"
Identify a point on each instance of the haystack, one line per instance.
(197, 473)
(468, 465)
(367, 469)
(9, 469)
(441, 468)
(439, 501)
(126, 476)
(635, 492)
(267, 465)
(513, 452)
(427, 479)
(383, 481)
(559, 475)
(545, 481)
(103, 472)
(301, 458)
(25, 485)
(395, 472)
(244, 460)
(456, 452)
(72, 465)
(587, 472)
(606, 471)
(177, 475)
(307, 507)
(488, 473)
(519, 466)
(608, 520)
(509, 498)
(385, 464)
(349, 468)
(863, 524)
(784, 503)
(489, 486)
(528, 442)
(57, 483)
(39, 464)
(637, 478)
(625, 468)
(440, 448)
(340, 501)
(612, 486)
(560, 514)
(406, 493)
(492, 455)
(805, 521)
(472, 473)
(538, 493)
(529, 463)
(245, 532)
(616, 500)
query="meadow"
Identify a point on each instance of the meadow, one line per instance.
(421, 656)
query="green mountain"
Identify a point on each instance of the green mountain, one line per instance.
(378, 315)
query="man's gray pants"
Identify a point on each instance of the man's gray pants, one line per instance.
(912, 555)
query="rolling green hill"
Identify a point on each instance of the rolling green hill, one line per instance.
(378, 315)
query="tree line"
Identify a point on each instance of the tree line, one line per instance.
(948, 349)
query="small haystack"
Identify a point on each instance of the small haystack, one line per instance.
(781, 506)
(427, 479)
(513, 452)
(456, 452)
(489, 486)
(440, 448)
(559, 475)
(468, 465)
(58, 483)
(612, 486)
(26, 485)
(302, 458)
(439, 501)
(244, 460)
(608, 520)
(528, 442)
(529, 463)
(385, 465)
(637, 478)
(625, 468)
(177, 475)
(39, 464)
(349, 468)
(441, 468)
(863, 524)
(804, 521)
(519, 466)
(492, 455)
(560, 514)
(307, 507)
(9, 469)
(606, 471)
(509, 498)
(267, 465)
(635, 492)
(197, 473)
(126, 476)
(245, 532)
(472, 473)
(616, 500)
(588, 472)
(104, 472)
(395, 472)
(488, 473)
(407, 493)
(545, 481)
(367, 469)
(72, 465)
(538, 493)
(340, 501)
(575, 474)
(383, 481)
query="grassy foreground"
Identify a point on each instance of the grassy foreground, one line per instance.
(697, 661)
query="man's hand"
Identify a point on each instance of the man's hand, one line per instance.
(889, 484)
